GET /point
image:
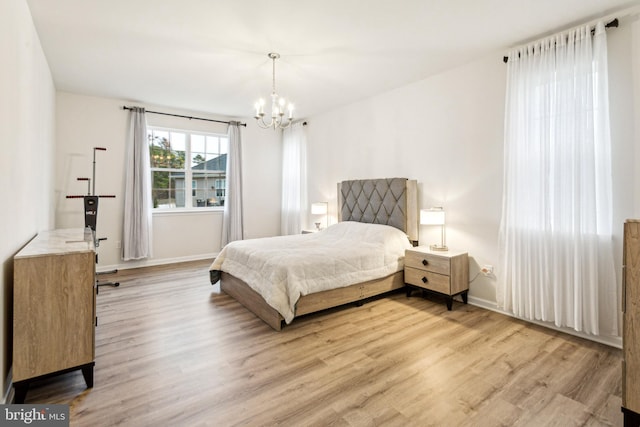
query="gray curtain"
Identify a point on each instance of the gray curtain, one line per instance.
(136, 238)
(232, 226)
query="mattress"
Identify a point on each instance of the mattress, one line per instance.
(281, 269)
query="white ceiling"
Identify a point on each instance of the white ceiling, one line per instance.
(211, 56)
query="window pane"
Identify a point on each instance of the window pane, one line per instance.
(167, 149)
(197, 143)
(160, 134)
(209, 158)
(198, 149)
(224, 145)
(209, 189)
(167, 189)
(203, 151)
(178, 141)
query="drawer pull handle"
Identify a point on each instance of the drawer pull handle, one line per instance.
(424, 280)
(425, 262)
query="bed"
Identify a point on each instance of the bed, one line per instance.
(280, 278)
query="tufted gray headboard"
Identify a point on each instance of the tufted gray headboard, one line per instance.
(389, 201)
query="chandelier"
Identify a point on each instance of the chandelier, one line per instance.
(278, 106)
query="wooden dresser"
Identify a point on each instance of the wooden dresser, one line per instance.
(631, 324)
(54, 308)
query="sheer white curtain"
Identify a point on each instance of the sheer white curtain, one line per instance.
(294, 179)
(232, 222)
(136, 236)
(555, 235)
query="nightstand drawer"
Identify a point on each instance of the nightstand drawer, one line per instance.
(428, 280)
(428, 262)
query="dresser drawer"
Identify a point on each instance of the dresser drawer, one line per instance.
(428, 262)
(428, 280)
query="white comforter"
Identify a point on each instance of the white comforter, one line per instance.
(281, 269)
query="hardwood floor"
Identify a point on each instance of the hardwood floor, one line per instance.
(173, 351)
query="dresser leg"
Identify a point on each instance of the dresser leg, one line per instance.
(449, 302)
(464, 296)
(21, 389)
(631, 419)
(87, 373)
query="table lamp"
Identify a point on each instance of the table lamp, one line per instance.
(435, 216)
(320, 208)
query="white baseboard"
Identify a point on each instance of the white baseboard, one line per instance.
(490, 305)
(127, 265)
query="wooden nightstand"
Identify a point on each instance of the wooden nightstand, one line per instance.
(443, 272)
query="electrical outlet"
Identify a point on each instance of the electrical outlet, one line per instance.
(118, 244)
(487, 270)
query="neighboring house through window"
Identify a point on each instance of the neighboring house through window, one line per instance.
(179, 157)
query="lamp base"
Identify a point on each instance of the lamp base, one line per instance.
(443, 248)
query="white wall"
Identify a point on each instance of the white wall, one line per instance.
(27, 139)
(84, 122)
(623, 104)
(635, 60)
(447, 132)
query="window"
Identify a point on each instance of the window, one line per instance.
(178, 157)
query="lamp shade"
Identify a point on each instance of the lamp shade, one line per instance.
(319, 208)
(433, 216)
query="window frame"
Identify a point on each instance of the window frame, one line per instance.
(188, 171)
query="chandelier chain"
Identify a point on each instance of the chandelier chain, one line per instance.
(273, 73)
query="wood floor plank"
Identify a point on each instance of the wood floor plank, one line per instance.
(171, 349)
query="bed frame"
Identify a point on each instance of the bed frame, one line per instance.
(392, 201)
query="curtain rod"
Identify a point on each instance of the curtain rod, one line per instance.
(614, 23)
(184, 117)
